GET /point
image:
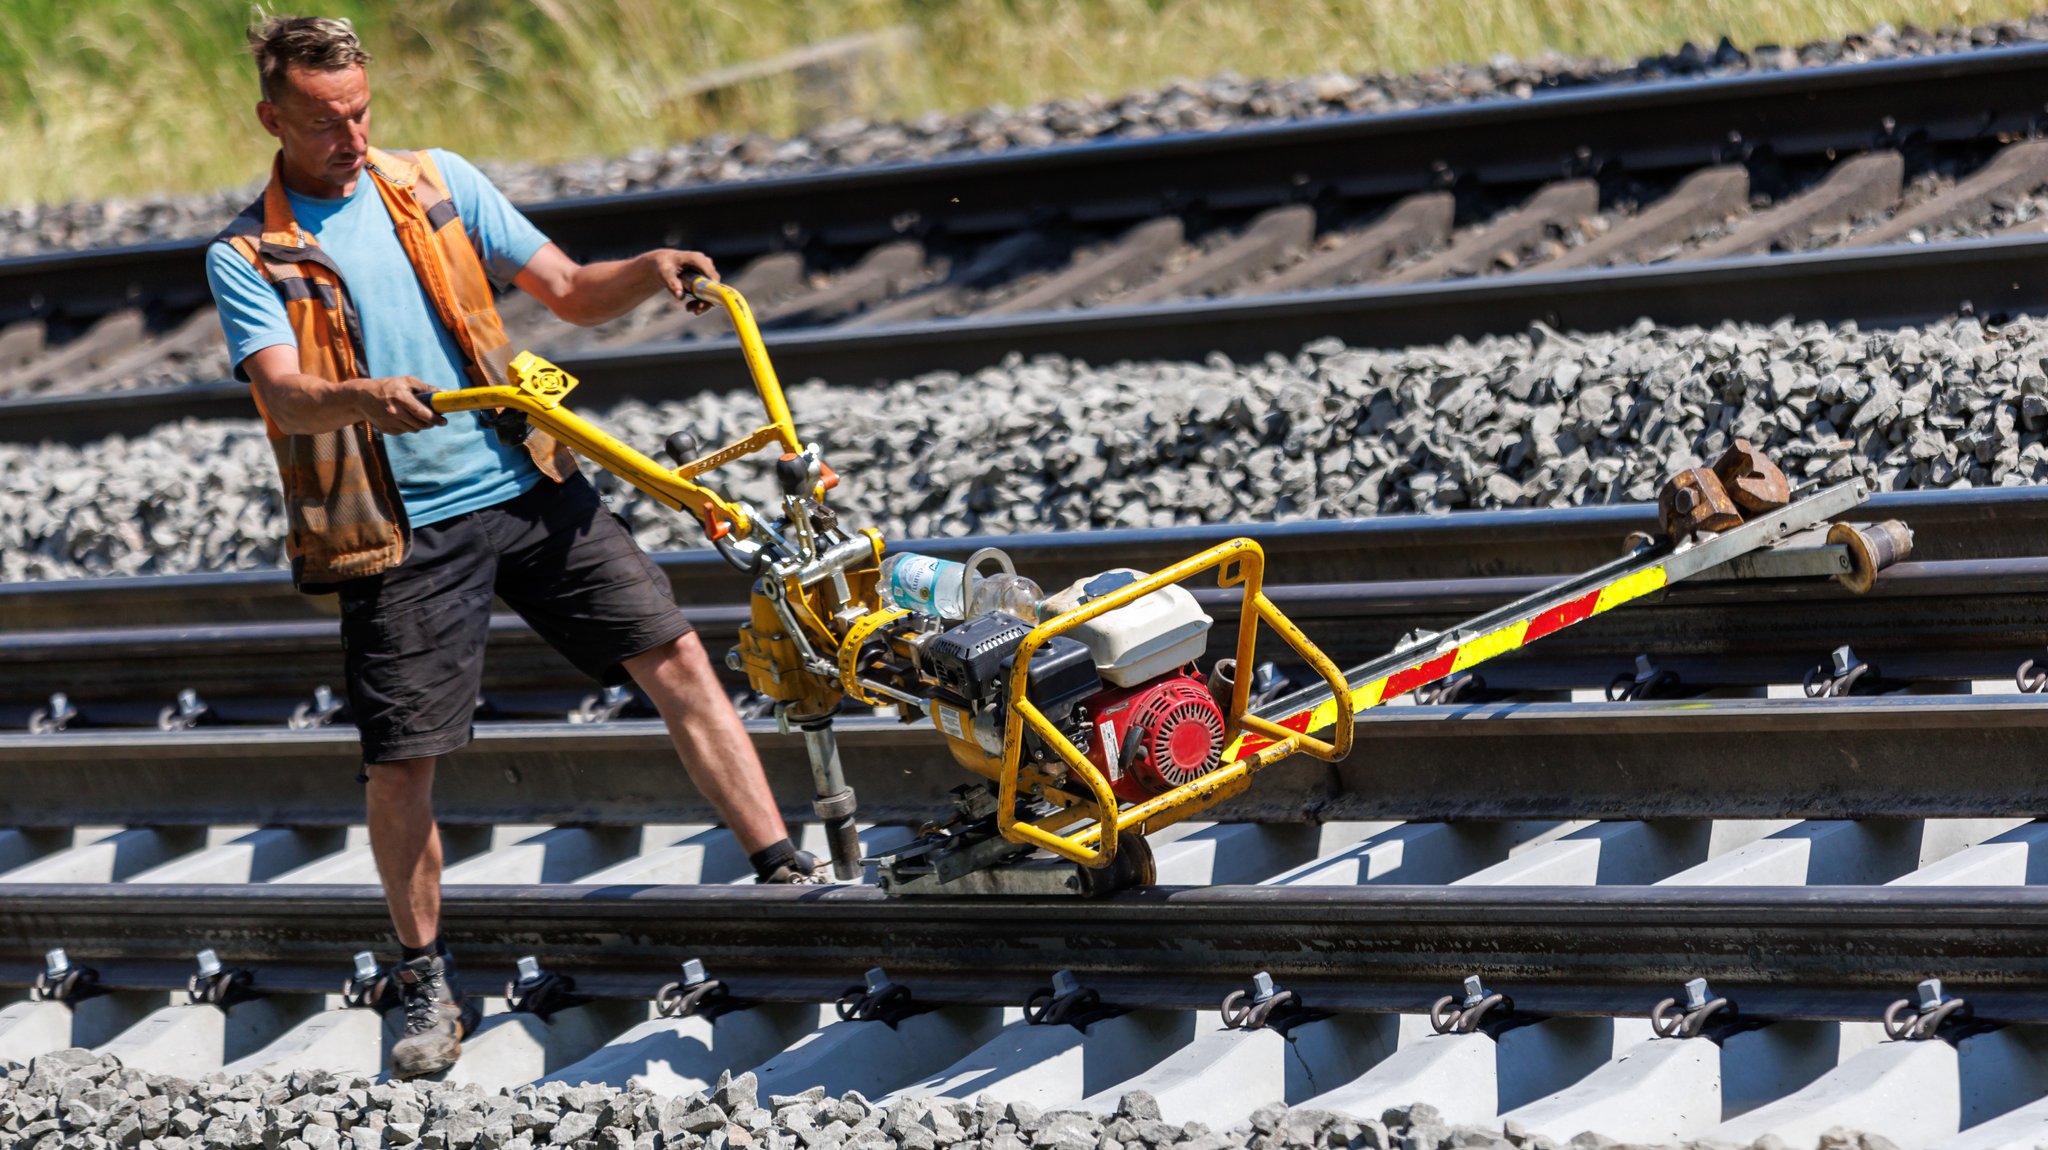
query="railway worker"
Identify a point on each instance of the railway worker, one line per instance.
(362, 277)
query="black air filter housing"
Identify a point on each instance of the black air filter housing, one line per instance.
(1062, 674)
(968, 659)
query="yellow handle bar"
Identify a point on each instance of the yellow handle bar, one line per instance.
(538, 387)
(1241, 562)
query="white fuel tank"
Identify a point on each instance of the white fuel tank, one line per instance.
(1141, 640)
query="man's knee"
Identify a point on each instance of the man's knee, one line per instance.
(681, 660)
(401, 781)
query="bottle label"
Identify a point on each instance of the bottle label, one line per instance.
(912, 580)
(926, 583)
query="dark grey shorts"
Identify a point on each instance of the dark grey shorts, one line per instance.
(414, 635)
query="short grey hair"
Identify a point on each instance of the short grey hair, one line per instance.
(323, 43)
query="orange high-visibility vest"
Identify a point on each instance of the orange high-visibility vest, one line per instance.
(345, 518)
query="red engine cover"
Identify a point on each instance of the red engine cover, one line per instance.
(1177, 728)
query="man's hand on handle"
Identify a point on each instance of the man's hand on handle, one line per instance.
(393, 405)
(677, 269)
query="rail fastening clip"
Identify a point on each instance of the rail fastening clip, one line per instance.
(880, 1000)
(696, 993)
(1453, 1015)
(1701, 1005)
(1907, 1021)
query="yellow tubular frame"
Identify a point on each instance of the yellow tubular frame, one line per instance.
(1241, 563)
(672, 486)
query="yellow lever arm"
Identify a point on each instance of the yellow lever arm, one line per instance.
(594, 443)
(538, 387)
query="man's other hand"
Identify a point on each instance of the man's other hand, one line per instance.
(393, 407)
(677, 269)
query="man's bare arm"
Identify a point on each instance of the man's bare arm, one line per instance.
(301, 404)
(589, 294)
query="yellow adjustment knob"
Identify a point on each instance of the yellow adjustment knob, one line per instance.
(540, 379)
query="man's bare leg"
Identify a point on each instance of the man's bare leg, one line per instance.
(407, 845)
(709, 736)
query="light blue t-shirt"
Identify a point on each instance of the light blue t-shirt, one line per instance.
(442, 471)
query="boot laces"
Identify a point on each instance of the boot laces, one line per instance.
(423, 1002)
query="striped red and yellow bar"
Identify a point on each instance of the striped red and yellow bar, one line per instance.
(1440, 662)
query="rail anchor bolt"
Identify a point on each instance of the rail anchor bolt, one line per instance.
(1265, 1006)
(188, 712)
(59, 715)
(1839, 676)
(319, 711)
(63, 981)
(369, 985)
(218, 984)
(1452, 1015)
(1903, 1022)
(1649, 682)
(1669, 1020)
(695, 993)
(1066, 1001)
(879, 1000)
(541, 993)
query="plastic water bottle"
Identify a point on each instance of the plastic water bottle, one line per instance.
(926, 584)
(930, 585)
(1010, 594)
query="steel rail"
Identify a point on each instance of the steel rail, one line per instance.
(1984, 523)
(1877, 286)
(1840, 952)
(1978, 95)
(1950, 620)
(1904, 756)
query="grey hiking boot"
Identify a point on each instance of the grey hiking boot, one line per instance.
(803, 870)
(436, 1018)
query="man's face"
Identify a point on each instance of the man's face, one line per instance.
(322, 119)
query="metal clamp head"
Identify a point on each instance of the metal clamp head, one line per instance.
(369, 985)
(59, 715)
(218, 984)
(1669, 1020)
(879, 1000)
(1649, 682)
(696, 993)
(320, 711)
(1463, 1015)
(188, 712)
(1909, 1021)
(539, 992)
(1066, 1001)
(62, 980)
(1263, 1006)
(1839, 676)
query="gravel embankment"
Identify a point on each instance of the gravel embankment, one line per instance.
(1541, 419)
(73, 1099)
(1221, 102)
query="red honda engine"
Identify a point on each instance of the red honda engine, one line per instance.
(1155, 736)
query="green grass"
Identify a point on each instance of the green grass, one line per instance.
(126, 97)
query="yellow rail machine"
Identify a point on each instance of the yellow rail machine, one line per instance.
(1084, 711)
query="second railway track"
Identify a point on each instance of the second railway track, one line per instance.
(1718, 674)
(1965, 608)
(1242, 242)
